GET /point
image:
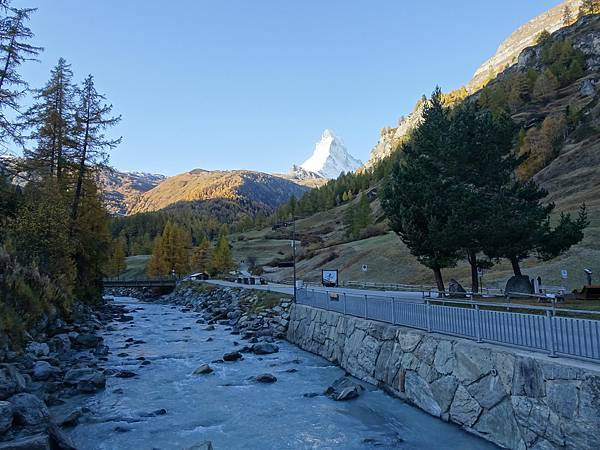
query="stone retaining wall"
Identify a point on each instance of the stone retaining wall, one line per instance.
(513, 398)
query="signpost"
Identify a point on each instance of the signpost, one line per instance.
(365, 268)
(329, 278)
(564, 274)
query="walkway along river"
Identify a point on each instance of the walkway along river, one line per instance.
(165, 406)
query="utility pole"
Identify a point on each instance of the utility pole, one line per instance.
(294, 252)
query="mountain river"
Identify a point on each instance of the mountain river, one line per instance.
(229, 408)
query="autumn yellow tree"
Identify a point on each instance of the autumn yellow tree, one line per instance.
(117, 261)
(171, 252)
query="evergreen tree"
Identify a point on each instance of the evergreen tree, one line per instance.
(52, 118)
(14, 51)
(222, 260)
(413, 196)
(201, 256)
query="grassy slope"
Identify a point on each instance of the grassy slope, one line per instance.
(136, 267)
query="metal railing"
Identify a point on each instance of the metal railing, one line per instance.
(542, 329)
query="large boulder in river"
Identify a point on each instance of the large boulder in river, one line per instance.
(85, 379)
(29, 410)
(519, 284)
(6, 416)
(233, 356)
(264, 348)
(204, 369)
(265, 378)
(344, 388)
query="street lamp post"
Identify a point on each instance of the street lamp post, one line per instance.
(294, 252)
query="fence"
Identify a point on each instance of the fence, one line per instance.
(540, 330)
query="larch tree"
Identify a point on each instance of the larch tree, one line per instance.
(92, 118)
(201, 256)
(15, 49)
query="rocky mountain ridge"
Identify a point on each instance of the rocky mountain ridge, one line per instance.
(507, 55)
(330, 157)
(254, 191)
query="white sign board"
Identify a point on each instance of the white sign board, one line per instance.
(564, 274)
(480, 271)
(365, 268)
(330, 278)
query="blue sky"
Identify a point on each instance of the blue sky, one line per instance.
(227, 84)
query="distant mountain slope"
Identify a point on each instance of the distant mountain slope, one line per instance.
(252, 191)
(121, 189)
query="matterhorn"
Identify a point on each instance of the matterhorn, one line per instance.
(330, 157)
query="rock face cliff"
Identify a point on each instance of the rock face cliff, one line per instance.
(507, 55)
(121, 189)
(509, 51)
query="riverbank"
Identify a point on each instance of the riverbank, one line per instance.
(60, 361)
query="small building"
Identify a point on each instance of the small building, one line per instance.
(198, 276)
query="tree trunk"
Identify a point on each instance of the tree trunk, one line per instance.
(515, 265)
(80, 175)
(472, 257)
(439, 280)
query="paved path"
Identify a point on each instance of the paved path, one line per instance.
(287, 289)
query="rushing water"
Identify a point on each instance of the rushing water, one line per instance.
(230, 409)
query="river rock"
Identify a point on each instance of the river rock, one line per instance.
(209, 328)
(204, 369)
(344, 389)
(6, 416)
(587, 88)
(38, 349)
(206, 445)
(36, 442)
(43, 370)
(87, 340)
(71, 419)
(29, 409)
(233, 356)
(59, 440)
(11, 382)
(125, 374)
(264, 348)
(60, 344)
(265, 378)
(86, 379)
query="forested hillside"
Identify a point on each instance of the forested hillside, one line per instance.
(551, 95)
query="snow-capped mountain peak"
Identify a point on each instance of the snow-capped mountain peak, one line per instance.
(330, 157)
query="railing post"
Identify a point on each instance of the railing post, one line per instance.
(344, 303)
(550, 334)
(366, 307)
(393, 311)
(478, 323)
(428, 315)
